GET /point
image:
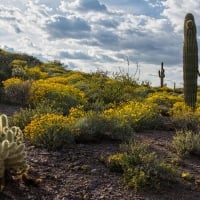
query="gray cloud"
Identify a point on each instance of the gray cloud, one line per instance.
(91, 5)
(78, 55)
(63, 27)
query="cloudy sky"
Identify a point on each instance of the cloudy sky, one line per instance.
(90, 35)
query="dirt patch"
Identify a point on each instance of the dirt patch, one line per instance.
(77, 173)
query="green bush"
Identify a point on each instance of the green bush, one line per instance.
(142, 169)
(91, 127)
(186, 142)
(23, 117)
(95, 127)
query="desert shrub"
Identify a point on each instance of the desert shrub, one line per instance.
(139, 115)
(74, 78)
(142, 169)
(35, 73)
(71, 78)
(16, 91)
(186, 142)
(92, 126)
(184, 118)
(23, 117)
(49, 130)
(56, 94)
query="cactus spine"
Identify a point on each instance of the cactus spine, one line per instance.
(190, 61)
(161, 74)
(12, 154)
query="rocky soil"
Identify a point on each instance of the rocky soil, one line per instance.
(77, 172)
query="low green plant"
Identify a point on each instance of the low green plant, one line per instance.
(95, 127)
(115, 162)
(91, 127)
(186, 143)
(142, 169)
(50, 131)
(23, 117)
(12, 154)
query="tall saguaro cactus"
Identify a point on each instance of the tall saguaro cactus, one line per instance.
(190, 61)
(161, 74)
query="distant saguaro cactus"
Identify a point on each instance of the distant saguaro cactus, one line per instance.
(161, 74)
(190, 61)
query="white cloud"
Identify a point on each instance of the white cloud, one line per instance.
(175, 11)
(87, 34)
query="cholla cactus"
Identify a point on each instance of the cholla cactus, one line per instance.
(190, 61)
(12, 154)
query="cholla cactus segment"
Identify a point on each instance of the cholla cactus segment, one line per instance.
(3, 122)
(190, 61)
(12, 149)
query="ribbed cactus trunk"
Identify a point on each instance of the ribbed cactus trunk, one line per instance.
(161, 74)
(190, 61)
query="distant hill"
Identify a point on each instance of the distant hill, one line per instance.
(7, 58)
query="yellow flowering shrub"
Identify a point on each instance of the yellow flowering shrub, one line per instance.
(139, 115)
(164, 99)
(35, 73)
(180, 108)
(184, 117)
(75, 113)
(49, 130)
(58, 95)
(57, 79)
(72, 78)
(11, 81)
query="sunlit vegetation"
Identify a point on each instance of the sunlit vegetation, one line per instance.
(60, 107)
